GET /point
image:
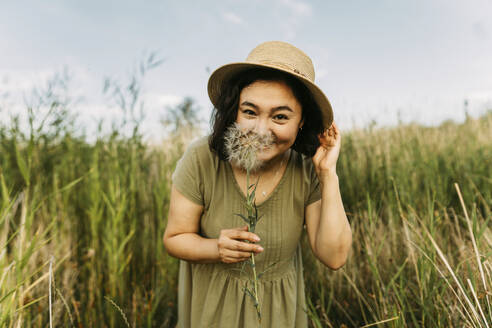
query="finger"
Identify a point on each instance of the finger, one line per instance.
(252, 248)
(322, 138)
(337, 131)
(235, 253)
(240, 255)
(244, 235)
(231, 259)
(327, 134)
(331, 137)
(331, 140)
(245, 247)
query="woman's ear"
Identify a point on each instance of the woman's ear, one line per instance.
(301, 124)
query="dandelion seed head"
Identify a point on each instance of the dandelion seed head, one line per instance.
(242, 146)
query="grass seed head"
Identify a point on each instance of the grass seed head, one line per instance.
(242, 146)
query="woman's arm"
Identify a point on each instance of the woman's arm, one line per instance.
(328, 229)
(182, 239)
(327, 225)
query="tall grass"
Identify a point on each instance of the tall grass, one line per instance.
(87, 219)
(414, 248)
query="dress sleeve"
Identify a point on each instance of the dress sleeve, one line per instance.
(187, 178)
(314, 192)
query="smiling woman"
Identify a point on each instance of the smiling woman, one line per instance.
(271, 107)
(271, 99)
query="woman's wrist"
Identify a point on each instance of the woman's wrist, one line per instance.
(209, 251)
(326, 177)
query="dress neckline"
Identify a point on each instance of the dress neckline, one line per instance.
(274, 191)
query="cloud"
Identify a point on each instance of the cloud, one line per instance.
(297, 7)
(231, 17)
(479, 95)
(14, 81)
(292, 13)
(160, 100)
(480, 31)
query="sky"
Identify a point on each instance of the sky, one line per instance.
(379, 62)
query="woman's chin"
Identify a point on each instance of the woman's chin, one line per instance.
(267, 156)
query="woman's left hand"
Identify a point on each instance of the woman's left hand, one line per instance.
(325, 159)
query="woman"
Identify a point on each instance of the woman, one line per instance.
(271, 94)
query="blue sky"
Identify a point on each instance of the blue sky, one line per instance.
(376, 60)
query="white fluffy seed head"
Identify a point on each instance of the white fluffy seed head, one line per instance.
(242, 146)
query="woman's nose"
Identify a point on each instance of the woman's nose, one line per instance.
(262, 127)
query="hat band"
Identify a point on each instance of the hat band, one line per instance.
(284, 66)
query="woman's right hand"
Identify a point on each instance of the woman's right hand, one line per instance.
(233, 248)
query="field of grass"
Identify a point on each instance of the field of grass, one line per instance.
(81, 228)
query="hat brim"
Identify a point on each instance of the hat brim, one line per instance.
(225, 73)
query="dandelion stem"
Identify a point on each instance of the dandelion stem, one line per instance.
(252, 218)
(256, 286)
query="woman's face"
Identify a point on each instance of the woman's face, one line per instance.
(271, 107)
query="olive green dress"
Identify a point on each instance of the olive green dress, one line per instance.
(212, 295)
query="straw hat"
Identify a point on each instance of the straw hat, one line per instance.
(277, 55)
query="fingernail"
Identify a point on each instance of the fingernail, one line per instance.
(260, 248)
(257, 238)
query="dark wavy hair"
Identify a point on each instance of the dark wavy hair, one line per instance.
(225, 113)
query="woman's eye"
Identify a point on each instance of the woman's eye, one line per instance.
(280, 117)
(249, 112)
